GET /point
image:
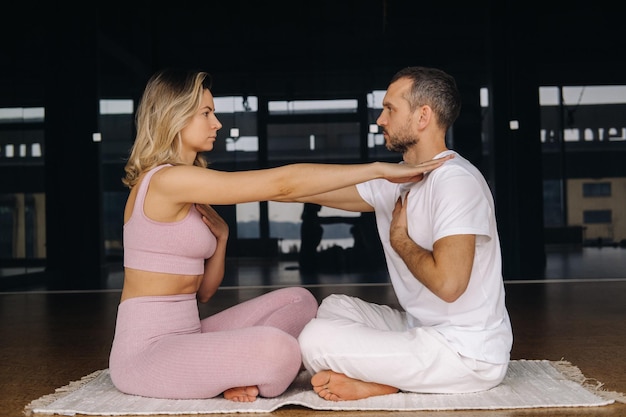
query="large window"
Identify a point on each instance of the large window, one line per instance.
(583, 134)
(312, 131)
(22, 201)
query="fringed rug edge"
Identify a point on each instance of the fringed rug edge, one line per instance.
(596, 387)
(60, 393)
(565, 367)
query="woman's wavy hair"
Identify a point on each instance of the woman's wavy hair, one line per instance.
(169, 101)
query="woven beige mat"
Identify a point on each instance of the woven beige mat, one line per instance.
(528, 384)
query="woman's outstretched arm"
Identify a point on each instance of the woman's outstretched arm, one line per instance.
(287, 183)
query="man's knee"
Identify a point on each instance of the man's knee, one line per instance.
(333, 306)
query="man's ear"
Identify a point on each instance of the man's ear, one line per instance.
(424, 115)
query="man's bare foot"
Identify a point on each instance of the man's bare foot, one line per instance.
(333, 386)
(242, 394)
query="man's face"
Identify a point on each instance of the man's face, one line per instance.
(396, 118)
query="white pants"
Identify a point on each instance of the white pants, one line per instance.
(373, 343)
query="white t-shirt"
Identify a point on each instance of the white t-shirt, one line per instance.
(453, 199)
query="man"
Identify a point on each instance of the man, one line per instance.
(443, 256)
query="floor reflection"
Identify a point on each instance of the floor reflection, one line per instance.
(561, 263)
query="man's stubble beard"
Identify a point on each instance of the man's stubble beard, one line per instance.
(400, 143)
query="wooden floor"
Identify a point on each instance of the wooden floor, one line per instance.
(48, 339)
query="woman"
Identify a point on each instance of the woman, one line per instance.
(172, 259)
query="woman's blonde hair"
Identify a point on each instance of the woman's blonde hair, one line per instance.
(169, 101)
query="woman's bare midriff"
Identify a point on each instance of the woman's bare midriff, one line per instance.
(143, 283)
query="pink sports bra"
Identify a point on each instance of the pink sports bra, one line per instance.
(171, 247)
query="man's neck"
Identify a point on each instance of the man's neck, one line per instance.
(417, 155)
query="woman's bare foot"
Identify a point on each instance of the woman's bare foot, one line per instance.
(333, 386)
(242, 394)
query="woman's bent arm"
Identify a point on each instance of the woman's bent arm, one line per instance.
(214, 266)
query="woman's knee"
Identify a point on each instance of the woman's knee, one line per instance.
(304, 297)
(278, 346)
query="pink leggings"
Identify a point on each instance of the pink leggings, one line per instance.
(162, 349)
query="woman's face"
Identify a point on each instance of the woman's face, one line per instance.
(201, 132)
